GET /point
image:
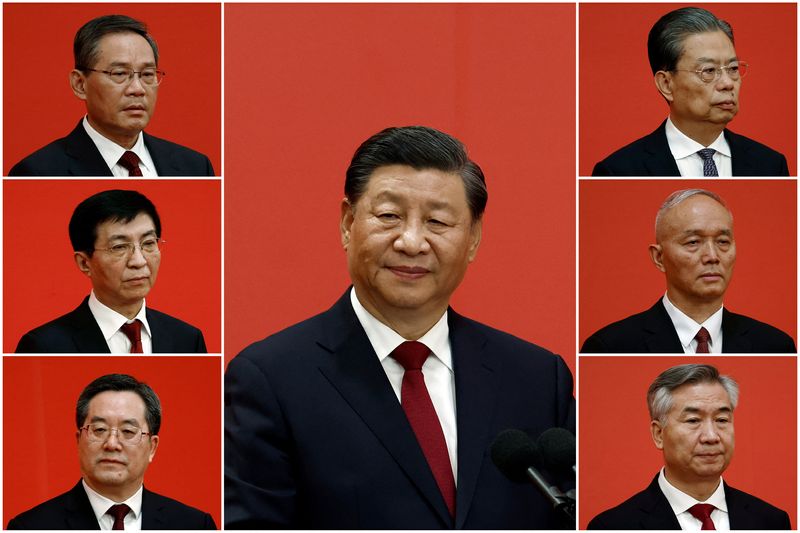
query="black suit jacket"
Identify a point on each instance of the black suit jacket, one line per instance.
(650, 156)
(77, 155)
(315, 437)
(650, 509)
(72, 510)
(78, 332)
(652, 331)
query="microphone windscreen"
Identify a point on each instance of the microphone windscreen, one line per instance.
(513, 451)
(557, 446)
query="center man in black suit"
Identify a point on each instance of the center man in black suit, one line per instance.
(116, 238)
(116, 74)
(696, 251)
(691, 411)
(118, 420)
(696, 70)
(332, 424)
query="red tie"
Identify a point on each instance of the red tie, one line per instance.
(421, 415)
(130, 161)
(119, 512)
(702, 511)
(702, 340)
(134, 333)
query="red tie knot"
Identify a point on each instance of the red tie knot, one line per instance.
(119, 512)
(411, 354)
(130, 161)
(134, 333)
(702, 511)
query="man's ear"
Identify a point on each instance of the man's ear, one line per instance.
(346, 222)
(77, 80)
(82, 260)
(476, 232)
(657, 432)
(663, 81)
(656, 255)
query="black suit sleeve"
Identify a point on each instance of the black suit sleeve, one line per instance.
(260, 491)
(28, 344)
(600, 169)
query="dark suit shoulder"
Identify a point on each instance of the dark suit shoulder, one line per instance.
(505, 344)
(749, 512)
(48, 515)
(622, 336)
(55, 336)
(50, 160)
(172, 335)
(622, 516)
(172, 514)
(173, 159)
(626, 161)
(742, 334)
(755, 159)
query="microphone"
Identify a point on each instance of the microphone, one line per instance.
(514, 453)
(558, 450)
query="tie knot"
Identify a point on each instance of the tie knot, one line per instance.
(133, 330)
(411, 354)
(702, 336)
(702, 511)
(118, 511)
(706, 153)
(130, 161)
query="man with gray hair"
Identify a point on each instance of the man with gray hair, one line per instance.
(691, 410)
(696, 70)
(696, 250)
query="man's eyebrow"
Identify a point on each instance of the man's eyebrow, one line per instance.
(125, 237)
(688, 232)
(128, 65)
(712, 60)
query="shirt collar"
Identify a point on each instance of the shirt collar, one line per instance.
(687, 328)
(110, 321)
(682, 502)
(683, 146)
(384, 339)
(111, 151)
(101, 504)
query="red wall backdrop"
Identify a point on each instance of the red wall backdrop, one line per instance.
(306, 84)
(617, 224)
(40, 454)
(42, 282)
(38, 104)
(618, 99)
(617, 455)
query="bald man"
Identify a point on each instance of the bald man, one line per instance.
(696, 250)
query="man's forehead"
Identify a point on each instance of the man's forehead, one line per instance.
(696, 46)
(113, 403)
(696, 207)
(142, 223)
(700, 396)
(116, 44)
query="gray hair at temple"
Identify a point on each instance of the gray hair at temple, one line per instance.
(679, 196)
(659, 395)
(666, 38)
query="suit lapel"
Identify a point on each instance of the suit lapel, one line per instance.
(659, 161)
(476, 393)
(85, 158)
(79, 512)
(152, 516)
(356, 373)
(165, 165)
(87, 335)
(662, 337)
(161, 342)
(740, 162)
(656, 511)
(734, 334)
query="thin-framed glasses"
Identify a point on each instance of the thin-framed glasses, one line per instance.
(127, 434)
(120, 75)
(120, 250)
(736, 71)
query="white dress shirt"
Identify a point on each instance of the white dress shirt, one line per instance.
(690, 164)
(437, 369)
(101, 505)
(110, 321)
(682, 502)
(111, 152)
(687, 328)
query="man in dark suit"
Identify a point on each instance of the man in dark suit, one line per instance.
(330, 424)
(118, 419)
(696, 251)
(116, 74)
(116, 238)
(697, 72)
(691, 410)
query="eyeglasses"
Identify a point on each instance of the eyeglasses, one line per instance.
(735, 70)
(127, 434)
(126, 249)
(148, 76)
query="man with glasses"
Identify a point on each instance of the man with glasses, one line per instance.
(118, 419)
(116, 74)
(116, 238)
(698, 73)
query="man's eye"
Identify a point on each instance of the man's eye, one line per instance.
(709, 71)
(128, 433)
(119, 248)
(99, 430)
(150, 245)
(148, 75)
(733, 69)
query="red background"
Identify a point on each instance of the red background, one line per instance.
(619, 102)
(40, 454)
(38, 104)
(618, 457)
(41, 281)
(326, 77)
(617, 224)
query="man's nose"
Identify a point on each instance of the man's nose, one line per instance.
(725, 82)
(137, 257)
(709, 432)
(135, 85)
(710, 253)
(112, 442)
(413, 239)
